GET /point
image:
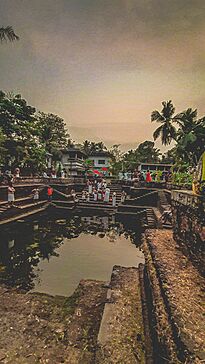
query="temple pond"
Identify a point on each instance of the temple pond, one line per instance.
(52, 256)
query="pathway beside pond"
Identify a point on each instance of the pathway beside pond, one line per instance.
(178, 292)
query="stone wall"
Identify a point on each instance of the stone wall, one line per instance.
(189, 225)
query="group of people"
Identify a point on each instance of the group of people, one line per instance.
(145, 176)
(101, 192)
(53, 174)
(35, 194)
(7, 177)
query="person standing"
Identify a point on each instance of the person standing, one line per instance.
(73, 194)
(100, 195)
(35, 195)
(114, 198)
(50, 193)
(83, 196)
(90, 187)
(17, 172)
(95, 195)
(11, 196)
(87, 197)
(107, 195)
(148, 176)
(62, 173)
(123, 196)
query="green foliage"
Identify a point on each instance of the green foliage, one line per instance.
(145, 153)
(169, 156)
(166, 118)
(115, 159)
(189, 137)
(26, 137)
(90, 147)
(52, 133)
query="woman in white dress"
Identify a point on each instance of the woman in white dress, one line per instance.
(100, 195)
(90, 188)
(11, 197)
(95, 195)
(114, 199)
(123, 196)
(107, 195)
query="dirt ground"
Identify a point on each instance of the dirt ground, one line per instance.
(184, 290)
(38, 328)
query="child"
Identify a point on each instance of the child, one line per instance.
(35, 195)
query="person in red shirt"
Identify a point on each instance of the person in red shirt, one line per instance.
(50, 193)
(148, 177)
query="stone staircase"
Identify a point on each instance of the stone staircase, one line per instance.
(151, 218)
(23, 207)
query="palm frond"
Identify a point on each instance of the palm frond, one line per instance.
(156, 116)
(168, 109)
(157, 132)
(7, 33)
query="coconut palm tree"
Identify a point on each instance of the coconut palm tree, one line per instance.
(166, 117)
(7, 33)
(187, 121)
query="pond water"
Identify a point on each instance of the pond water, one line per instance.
(52, 256)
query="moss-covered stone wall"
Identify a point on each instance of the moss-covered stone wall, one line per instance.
(189, 225)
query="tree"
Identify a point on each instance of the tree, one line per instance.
(190, 144)
(86, 147)
(147, 153)
(52, 133)
(2, 147)
(7, 33)
(91, 147)
(116, 159)
(169, 156)
(166, 118)
(18, 125)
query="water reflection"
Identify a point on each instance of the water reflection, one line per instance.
(24, 245)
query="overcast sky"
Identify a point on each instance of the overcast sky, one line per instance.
(104, 65)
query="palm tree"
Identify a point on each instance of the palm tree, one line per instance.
(7, 33)
(166, 130)
(86, 147)
(187, 121)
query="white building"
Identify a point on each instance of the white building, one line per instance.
(73, 161)
(100, 161)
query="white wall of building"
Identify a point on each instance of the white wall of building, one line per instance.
(99, 162)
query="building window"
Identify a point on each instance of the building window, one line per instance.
(101, 161)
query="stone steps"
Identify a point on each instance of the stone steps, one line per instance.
(121, 333)
(151, 220)
(95, 205)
